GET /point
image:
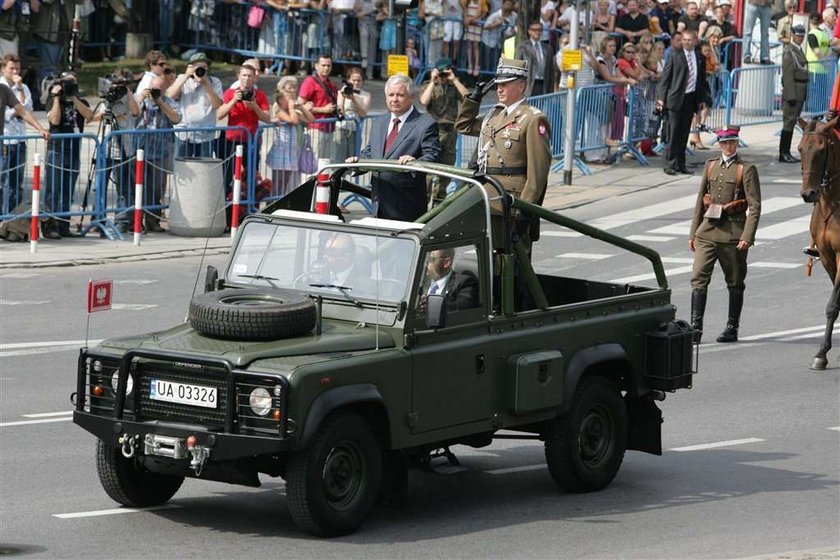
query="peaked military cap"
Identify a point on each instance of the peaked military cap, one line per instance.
(728, 133)
(510, 69)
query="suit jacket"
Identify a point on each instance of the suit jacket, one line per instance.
(461, 291)
(525, 51)
(672, 83)
(402, 196)
(722, 187)
(794, 74)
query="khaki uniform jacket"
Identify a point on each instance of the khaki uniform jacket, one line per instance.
(794, 74)
(730, 228)
(520, 139)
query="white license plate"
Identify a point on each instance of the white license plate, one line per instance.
(183, 393)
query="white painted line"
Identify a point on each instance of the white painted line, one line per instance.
(836, 428)
(796, 226)
(42, 421)
(517, 469)
(135, 282)
(646, 213)
(816, 334)
(769, 206)
(650, 238)
(717, 444)
(584, 256)
(133, 306)
(788, 181)
(763, 264)
(776, 334)
(48, 414)
(18, 275)
(115, 511)
(561, 233)
(651, 275)
(24, 302)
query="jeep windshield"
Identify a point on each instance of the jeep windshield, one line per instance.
(356, 267)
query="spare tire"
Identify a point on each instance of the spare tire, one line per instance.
(252, 314)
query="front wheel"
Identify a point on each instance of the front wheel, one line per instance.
(332, 485)
(585, 446)
(129, 483)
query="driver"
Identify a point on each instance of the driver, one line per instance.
(345, 264)
(459, 287)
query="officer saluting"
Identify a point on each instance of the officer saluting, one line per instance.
(513, 143)
(723, 229)
(794, 89)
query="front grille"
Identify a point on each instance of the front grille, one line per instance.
(159, 410)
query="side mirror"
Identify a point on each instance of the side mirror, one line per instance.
(436, 311)
(211, 279)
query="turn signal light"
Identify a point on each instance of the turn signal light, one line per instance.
(276, 414)
(97, 390)
(191, 441)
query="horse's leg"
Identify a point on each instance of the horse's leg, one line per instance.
(831, 312)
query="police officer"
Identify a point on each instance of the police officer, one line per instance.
(513, 144)
(723, 229)
(794, 89)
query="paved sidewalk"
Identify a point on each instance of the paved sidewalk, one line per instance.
(606, 182)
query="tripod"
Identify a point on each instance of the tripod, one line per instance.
(114, 152)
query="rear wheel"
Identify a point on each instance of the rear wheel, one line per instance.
(585, 446)
(129, 483)
(332, 485)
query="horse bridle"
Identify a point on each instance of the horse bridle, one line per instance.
(824, 178)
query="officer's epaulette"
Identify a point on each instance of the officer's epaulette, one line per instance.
(536, 111)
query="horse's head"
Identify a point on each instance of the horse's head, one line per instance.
(814, 148)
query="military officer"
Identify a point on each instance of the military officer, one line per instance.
(513, 143)
(723, 229)
(794, 89)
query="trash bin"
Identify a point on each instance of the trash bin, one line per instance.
(756, 92)
(196, 202)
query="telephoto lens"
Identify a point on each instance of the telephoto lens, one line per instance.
(201, 71)
(155, 93)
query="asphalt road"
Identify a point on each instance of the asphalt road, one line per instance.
(751, 467)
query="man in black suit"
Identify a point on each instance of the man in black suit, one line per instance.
(405, 136)
(459, 287)
(540, 59)
(681, 90)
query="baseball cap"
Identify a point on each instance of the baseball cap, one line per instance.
(443, 63)
(724, 2)
(199, 57)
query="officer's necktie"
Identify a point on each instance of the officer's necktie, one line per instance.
(433, 289)
(392, 136)
(692, 72)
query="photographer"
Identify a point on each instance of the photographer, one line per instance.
(157, 112)
(353, 105)
(200, 95)
(245, 107)
(119, 111)
(441, 97)
(67, 114)
(323, 93)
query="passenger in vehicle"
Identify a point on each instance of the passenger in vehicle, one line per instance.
(459, 287)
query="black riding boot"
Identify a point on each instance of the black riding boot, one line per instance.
(736, 303)
(698, 309)
(784, 147)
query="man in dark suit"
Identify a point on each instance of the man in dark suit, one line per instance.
(405, 135)
(681, 90)
(794, 90)
(459, 287)
(540, 59)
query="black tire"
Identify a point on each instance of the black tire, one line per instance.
(332, 485)
(585, 446)
(128, 483)
(252, 314)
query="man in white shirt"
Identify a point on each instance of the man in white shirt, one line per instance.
(14, 151)
(199, 95)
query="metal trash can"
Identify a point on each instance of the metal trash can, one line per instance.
(197, 202)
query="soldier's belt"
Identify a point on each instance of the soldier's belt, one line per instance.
(505, 171)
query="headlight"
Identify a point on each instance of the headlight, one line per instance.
(260, 401)
(115, 379)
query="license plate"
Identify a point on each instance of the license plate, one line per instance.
(182, 393)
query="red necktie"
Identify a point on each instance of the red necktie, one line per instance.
(392, 136)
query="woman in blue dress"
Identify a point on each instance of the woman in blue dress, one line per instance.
(283, 155)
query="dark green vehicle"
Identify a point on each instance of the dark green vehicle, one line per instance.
(337, 353)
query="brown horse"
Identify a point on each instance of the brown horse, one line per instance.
(820, 152)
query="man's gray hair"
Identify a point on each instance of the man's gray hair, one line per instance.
(401, 80)
(791, 3)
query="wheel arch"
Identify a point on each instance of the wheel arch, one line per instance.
(608, 360)
(363, 398)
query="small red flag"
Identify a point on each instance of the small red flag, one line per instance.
(99, 295)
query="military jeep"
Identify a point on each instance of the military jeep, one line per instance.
(323, 355)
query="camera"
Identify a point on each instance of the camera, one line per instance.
(200, 72)
(155, 93)
(113, 88)
(69, 87)
(446, 73)
(347, 89)
(247, 95)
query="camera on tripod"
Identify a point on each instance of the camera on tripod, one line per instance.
(113, 88)
(347, 89)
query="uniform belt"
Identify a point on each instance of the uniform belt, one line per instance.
(801, 81)
(505, 170)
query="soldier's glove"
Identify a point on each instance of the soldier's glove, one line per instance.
(481, 89)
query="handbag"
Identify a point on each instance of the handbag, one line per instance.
(256, 15)
(306, 160)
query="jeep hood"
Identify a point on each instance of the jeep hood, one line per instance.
(183, 339)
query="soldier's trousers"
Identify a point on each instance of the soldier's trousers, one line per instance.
(790, 113)
(732, 261)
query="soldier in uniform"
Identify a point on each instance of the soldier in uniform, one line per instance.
(794, 89)
(513, 144)
(723, 229)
